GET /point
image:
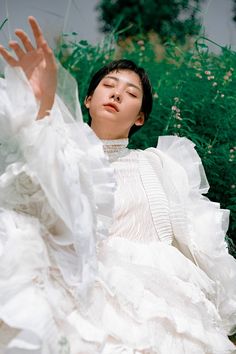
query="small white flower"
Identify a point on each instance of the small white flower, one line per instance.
(178, 117)
(210, 78)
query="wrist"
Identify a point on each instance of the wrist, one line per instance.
(45, 107)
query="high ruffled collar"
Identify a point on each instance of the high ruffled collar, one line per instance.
(115, 148)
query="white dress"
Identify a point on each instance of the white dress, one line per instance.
(106, 253)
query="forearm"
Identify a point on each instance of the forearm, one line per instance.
(45, 106)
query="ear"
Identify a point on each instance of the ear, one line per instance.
(140, 119)
(87, 101)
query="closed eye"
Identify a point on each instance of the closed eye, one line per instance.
(108, 85)
(132, 94)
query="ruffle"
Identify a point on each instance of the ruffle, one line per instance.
(82, 197)
(199, 225)
(23, 275)
(36, 306)
(151, 298)
(61, 178)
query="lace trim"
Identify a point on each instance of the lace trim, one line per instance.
(115, 149)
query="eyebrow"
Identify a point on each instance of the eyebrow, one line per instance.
(117, 79)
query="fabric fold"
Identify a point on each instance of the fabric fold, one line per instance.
(199, 225)
(53, 170)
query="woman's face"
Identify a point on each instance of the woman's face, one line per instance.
(115, 104)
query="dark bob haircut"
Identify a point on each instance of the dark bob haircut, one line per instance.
(124, 64)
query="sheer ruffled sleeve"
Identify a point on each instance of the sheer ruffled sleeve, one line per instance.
(55, 169)
(199, 225)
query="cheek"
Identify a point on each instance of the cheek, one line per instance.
(92, 109)
(95, 106)
(97, 98)
(135, 107)
(92, 102)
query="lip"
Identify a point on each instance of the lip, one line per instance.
(112, 106)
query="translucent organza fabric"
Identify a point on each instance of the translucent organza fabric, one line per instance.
(44, 163)
(74, 277)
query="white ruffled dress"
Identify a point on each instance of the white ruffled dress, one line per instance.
(106, 253)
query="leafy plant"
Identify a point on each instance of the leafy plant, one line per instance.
(173, 19)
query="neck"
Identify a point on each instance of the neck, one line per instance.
(104, 133)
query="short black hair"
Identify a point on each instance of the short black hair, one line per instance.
(125, 64)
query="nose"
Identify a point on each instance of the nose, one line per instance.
(116, 96)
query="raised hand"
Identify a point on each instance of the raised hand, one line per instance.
(38, 63)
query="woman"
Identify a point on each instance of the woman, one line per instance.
(104, 249)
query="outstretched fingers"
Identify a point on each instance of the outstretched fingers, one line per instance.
(17, 49)
(49, 56)
(8, 57)
(42, 43)
(25, 40)
(37, 32)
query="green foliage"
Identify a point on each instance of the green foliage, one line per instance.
(82, 59)
(194, 96)
(170, 19)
